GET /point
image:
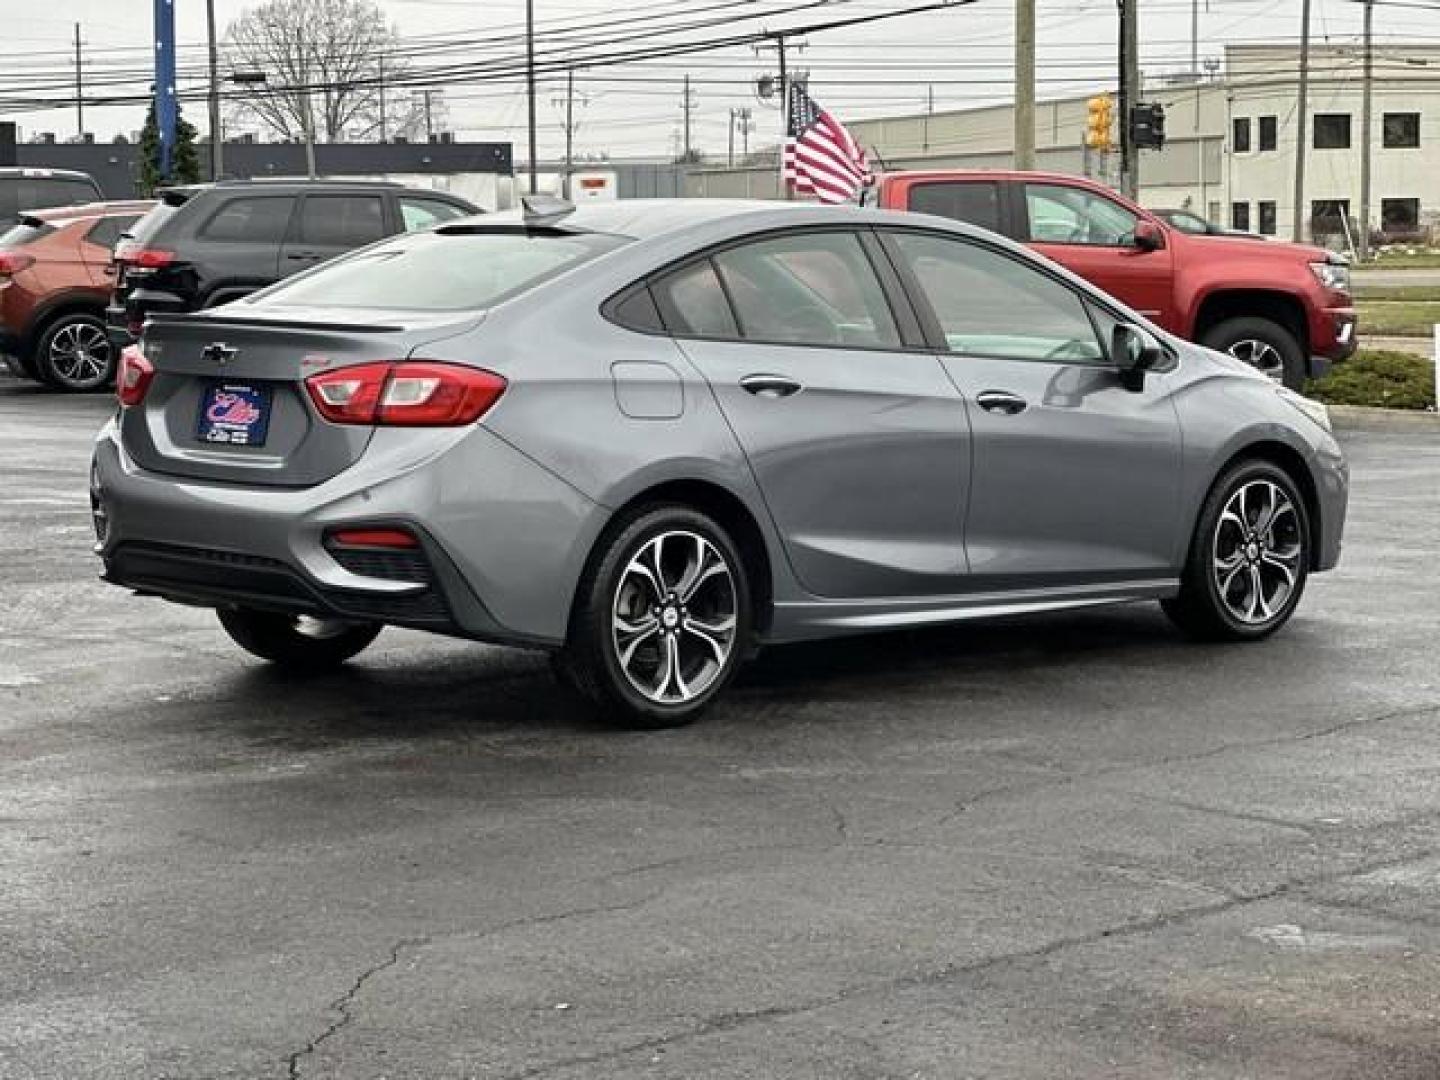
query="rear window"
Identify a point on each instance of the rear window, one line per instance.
(441, 272)
(27, 232)
(975, 202)
(151, 223)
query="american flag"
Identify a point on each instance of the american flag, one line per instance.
(820, 157)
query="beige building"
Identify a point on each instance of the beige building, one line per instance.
(1230, 142)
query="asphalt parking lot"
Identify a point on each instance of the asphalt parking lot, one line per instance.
(1073, 846)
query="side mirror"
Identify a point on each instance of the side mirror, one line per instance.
(1148, 236)
(1134, 351)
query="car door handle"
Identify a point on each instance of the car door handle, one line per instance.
(770, 386)
(303, 256)
(1000, 401)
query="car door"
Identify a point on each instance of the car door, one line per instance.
(1075, 477)
(236, 249)
(1094, 236)
(330, 225)
(856, 438)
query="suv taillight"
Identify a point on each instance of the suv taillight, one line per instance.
(133, 253)
(134, 377)
(12, 262)
(405, 393)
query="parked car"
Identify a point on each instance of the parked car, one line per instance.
(1196, 225)
(55, 279)
(1285, 309)
(651, 436)
(40, 189)
(208, 244)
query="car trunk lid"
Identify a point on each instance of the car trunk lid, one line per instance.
(228, 401)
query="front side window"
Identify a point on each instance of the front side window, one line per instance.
(991, 304)
(1332, 131)
(977, 203)
(1402, 130)
(1269, 134)
(253, 221)
(1068, 215)
(808, 289)
(342, 220)
(417, 212)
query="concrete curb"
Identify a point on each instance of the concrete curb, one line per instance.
(1360, 418)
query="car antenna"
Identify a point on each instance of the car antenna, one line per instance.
(545, 209)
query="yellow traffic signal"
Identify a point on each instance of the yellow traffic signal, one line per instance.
(1100, 117)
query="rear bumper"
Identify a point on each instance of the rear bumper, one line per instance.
(503, 541)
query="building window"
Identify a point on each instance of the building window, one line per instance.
(1328, 217)
(1240, 137)
(1399, 217)
(1402, 130)
(1240, 216)
(1332, 131)
(1268, 130)
(1267, 216)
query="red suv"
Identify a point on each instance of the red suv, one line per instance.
(1284, 308)
(55, 279)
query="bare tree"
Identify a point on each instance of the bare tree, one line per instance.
(335, 53)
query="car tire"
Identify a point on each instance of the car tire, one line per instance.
(1263, 344)
(661, 622)
(1249, 557)
(75, 354)
(297, 643)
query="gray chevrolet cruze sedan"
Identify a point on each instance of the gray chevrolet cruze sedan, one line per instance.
(652, 436)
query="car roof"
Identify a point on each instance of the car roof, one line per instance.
(11, 172)
(987, 174)
(58, 215)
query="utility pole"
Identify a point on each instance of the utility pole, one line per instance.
(745, 125)
(1366, 147)
(429, 120)
(1025, 84)
(1195, 38)
(217, 138)
(380, 60)
(687, 106)
(530, 92)
(929, 111)
(1129, 96)
(79, 90)
(730, 146)
(309, 117)
(1302, 141)
(785, 192)
(569, 128)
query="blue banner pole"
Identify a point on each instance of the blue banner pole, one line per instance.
(166, 107)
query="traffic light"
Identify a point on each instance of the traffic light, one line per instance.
(1147, 127)
(1100, 116)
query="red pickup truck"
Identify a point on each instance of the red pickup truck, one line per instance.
(1285, 308)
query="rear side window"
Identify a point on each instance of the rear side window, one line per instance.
(975, 203)
(105, 232)
(417, 212)
(342, 220)
(694, 302)
(432, 271)
(808, 289)
(250, 221)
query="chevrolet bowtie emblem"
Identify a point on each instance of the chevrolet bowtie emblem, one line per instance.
(218, 353)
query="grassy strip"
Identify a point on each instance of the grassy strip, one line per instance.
(1425, 259)
(1412, 293)
(1380, 379)
(1398, 318)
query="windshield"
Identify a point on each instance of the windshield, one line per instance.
(441, 271)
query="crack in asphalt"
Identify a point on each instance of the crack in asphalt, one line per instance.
(725, 1022)
(342, 1004)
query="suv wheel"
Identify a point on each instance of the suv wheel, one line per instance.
(1248, 559)
(297, 642)
(661, 620)
(75, 354)
(1264, 345)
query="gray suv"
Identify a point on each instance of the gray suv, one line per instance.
(208, 244)
(650, 437)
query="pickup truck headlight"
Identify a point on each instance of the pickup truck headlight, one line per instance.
(1333, 275)
(1315, 410)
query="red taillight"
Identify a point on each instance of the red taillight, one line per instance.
(12, 262)
(390, 539)
(134, 377)
(420, 393)
(132, 253)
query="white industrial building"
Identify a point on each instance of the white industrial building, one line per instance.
(1231, 142)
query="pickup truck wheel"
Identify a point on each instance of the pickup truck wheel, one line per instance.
(75, 354)
(1264, 345)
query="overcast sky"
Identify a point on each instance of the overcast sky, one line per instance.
(961, 56)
